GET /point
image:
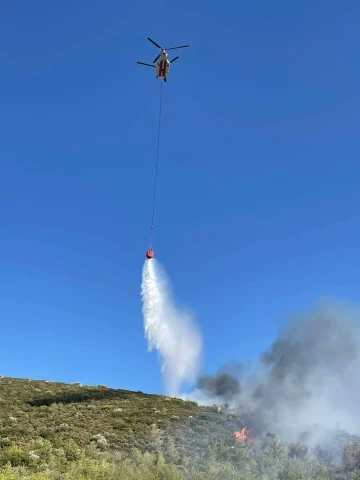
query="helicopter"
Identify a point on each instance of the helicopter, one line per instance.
(162, 67)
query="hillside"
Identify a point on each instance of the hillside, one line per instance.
(57, 412)
(52, 430)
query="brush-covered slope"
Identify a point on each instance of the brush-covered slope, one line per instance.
(55, 431)
(60, 430)
(31, 409)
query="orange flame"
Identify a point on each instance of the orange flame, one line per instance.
(243, 436)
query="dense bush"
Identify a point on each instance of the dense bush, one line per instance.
(93, 465)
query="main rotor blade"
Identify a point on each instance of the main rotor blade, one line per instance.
(174, 48)
(146, 64)
(154, 61)
(152, 41)
(173, 60)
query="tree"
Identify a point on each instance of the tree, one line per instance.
(323, 455)
(351, 456)
(298, 450)
(288, 474)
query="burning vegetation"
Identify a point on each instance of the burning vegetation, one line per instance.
(295, 394)
(243, 436)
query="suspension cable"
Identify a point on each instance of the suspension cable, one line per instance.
(156, 169)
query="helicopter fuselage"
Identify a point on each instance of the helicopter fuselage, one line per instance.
(162, 66)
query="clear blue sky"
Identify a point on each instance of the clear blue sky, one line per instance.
(258, 211)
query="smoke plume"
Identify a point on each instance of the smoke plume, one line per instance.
(306, 381)
(171, 331)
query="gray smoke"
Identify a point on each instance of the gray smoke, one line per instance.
(307, 380)
(222, 385)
